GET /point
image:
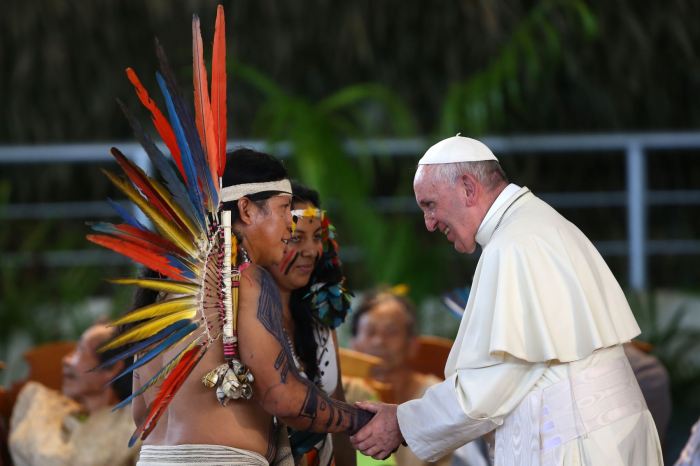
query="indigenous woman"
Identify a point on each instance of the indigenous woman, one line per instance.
(314, 303)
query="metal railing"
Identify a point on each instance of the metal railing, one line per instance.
(633, 146)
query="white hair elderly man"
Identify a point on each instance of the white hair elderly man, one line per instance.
(538, 357)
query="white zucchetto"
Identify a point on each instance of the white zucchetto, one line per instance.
(457, 149)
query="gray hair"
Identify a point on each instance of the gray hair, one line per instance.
(488, 172)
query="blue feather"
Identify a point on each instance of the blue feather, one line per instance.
(166, 168)
(184, 269)
(174, 338)
(189, 128)
(186, 155)
(148, 384)
(104, 227)
(133, 349)
(126, 215)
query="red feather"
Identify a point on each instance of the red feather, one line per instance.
(154, 243)
(150, 237)
(202, 105)
(162, 125)
(218, 88)
(141, 180)
(139, 253)
(168, 389)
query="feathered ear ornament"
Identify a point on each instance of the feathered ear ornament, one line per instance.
(327, 292)
(190, 242)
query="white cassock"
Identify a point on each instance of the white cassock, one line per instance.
(538, 356)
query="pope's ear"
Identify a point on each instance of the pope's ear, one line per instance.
(470, 187)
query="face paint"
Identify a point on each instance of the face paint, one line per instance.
(285, 264)
(291, 263)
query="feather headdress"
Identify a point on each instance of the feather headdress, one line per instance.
(190, 243)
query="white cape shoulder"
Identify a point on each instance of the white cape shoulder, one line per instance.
(541, 292)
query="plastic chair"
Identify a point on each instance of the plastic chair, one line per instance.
(360, 365)
(44, 367)
(431, 355)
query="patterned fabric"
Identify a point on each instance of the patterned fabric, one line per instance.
(210, 455)
(321, 454)
(690, 456)
(326, 359)
(316, 449)
(535, 434)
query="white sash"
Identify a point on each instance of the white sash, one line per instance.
(574, 407)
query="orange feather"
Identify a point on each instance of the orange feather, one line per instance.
(139, 253)
(150, 237)
(159, 121)
(218, 88)
(155, 244)
(144, 183)
(168, 389)
(202, 105)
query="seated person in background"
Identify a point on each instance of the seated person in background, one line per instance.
(77, 427)
(384, 325)
(655, 384)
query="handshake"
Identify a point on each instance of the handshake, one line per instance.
(381, 436)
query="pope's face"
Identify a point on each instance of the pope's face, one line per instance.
(446, 209)
(303, 251)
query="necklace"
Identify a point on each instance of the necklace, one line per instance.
(244, 255)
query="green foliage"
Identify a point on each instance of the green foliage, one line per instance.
(42, 302)
(390, 250)
(675, 345)
(316, 131)
(480, 103)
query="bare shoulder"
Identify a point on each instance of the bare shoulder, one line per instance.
(256, 278)
(250, 276)
(257, 284)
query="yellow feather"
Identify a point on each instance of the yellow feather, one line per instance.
(173, 362)
(148, 329)
(163, 225)
(178, 210)
(167, 286)
(158, 309)
(234, 305)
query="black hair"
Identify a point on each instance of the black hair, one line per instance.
(373, 298)
(300, 305)
(250, 166)
(301, 193)
(327, 270)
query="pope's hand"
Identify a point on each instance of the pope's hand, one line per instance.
(381, 436)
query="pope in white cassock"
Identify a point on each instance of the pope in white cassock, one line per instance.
(538, 357)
